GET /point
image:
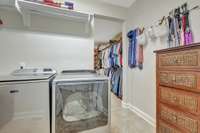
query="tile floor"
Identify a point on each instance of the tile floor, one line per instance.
(125, 121)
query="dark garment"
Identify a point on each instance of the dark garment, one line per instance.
(111, 57)
(116, 81)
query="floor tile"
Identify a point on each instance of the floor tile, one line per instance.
(125, 121)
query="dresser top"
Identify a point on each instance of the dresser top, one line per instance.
(191, 46)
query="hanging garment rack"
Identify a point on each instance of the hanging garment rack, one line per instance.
(192, 9)
(116, 40)
(111, 43)
(197, 7)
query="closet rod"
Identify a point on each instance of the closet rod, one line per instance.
(111, 44)
(195, 8)
(117, 38)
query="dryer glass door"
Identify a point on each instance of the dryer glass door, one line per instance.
(81, 106)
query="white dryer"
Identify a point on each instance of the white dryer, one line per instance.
(81, 103)
(24, 101)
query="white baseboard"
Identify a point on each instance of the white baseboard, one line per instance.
(140, 113)
(125, 105)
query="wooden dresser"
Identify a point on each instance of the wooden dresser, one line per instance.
(178, 89)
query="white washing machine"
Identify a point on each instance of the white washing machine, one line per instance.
(24, 101)
(81, 103)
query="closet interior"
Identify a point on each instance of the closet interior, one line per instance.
(108, 59)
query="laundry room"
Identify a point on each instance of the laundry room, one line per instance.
(97, 66)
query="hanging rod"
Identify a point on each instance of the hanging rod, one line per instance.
(195, 8)
(110, 45)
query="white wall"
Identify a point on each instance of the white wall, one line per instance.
(106, 29)
(40, 50)
(74, 49)
(47, 43)
(141, 89)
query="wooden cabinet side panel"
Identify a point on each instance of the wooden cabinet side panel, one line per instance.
(157, 93)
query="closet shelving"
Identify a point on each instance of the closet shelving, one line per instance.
(27, 7)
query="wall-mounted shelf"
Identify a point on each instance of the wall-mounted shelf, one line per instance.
(27, 7)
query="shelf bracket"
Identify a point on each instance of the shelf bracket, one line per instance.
(26, 18)
(90, 24)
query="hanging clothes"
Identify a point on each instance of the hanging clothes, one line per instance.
(135, 54)
(140, 53)
(105, 58)
(180, 32)
(140, 57)
(115, 55)
(111, 59)
(171, 31)
(120, 54)
(188, 32)
(132, 48)
(116, 81)
(112, 63)
(183, 28)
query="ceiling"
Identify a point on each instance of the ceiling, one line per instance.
(122, 3)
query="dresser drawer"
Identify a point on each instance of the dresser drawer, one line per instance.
(189, 59)
(182, 80)
(182, 121)
(183, 100)
(165, 128)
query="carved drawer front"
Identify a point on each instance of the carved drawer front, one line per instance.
(182, 80)
(181, 59)
(180, 120)
(181, 99)
(165, 128)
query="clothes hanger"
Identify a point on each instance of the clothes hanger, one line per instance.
(162, 20)
(185, 9)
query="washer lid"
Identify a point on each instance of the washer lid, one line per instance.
(12, 78)
(28, 75)
(69, 76)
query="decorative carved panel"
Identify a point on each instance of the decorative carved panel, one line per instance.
(164, 128)
(186, 59)
(178, 79)
(179, 119)
(179, 99)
